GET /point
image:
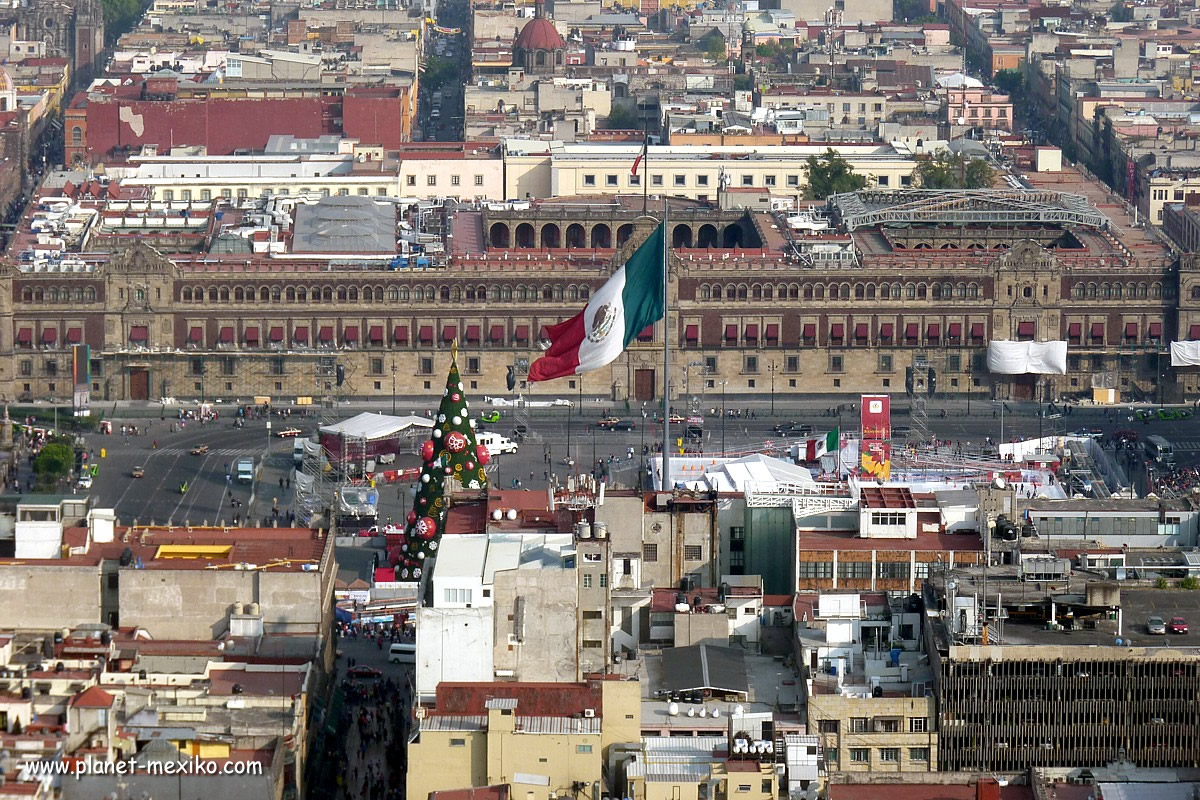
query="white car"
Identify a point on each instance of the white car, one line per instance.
(84, 482)
(288, 433)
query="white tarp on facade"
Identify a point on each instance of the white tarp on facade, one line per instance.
(1021, 358)
(1185, 354)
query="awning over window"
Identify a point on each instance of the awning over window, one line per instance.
(861, 330)
(75, 335)
(933, 331)
(885, 331)
(691, 333)
(521, 333)
(425, 334)
(1155, 330)
(954, 330)
(912, 331)
(325, 334)
(1024, 329)
(350, 333)
(196, 334)
(1098, 331)
(837, 331)
(977, 331)
(276, 333)
(252, 334)
(646, 334)
(301, 333)
(49, 335)
(24, 335)
(751, 333)
(1130, 330)
(772, 332)
(139, 333)
(473, 333)
(400, 333)
(226, 335)
(449, 333)
(1075, 329)
(497, 335)
(810, 330)
(731, 332)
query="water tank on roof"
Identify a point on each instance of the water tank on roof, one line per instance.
(239, 608)
(253, 610)
(601, 530)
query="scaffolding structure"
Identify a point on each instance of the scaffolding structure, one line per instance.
(871, 207)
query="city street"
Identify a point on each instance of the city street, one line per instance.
(156, 496)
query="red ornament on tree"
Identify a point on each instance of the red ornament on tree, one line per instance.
(426, 527)
(456, 441)
(427, 451)
(481, 453)
(412, 517)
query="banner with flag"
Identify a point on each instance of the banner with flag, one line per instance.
(833, 441)
(629, 302)
(637, 162)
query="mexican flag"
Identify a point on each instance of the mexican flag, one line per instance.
(832, 441)
(631, 301)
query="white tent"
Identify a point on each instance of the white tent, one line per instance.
(375, 426)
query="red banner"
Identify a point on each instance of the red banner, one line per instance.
(876, 416)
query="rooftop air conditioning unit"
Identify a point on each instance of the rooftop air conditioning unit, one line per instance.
(589, 712)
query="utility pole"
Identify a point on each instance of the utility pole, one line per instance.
(773, 367)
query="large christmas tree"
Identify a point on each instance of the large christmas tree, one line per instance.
(450, 456)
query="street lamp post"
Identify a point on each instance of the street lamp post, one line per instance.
(773, 367)
(723, 385)
(393, 387)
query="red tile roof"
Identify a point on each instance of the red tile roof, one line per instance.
(95, 697)
(533, 699)
(663, 600)
(278, 683)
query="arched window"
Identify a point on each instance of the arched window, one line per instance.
(1077, 291)
(937, 292)
(187, 294)
(402, 292)
(79, 295)
(274, 294)
(341, 294)
(89, 294)
(393, 294)
(1091, 291)
(794, 291)
(808, 291)
(378, 294)
(52, 294)
(895, 291)
(947, 291)
(585, 292)
(1118, 290)
(706, 292)
(351, 294)
(820, 291)
(522, 293)
(301, 295)
(885, 291)
(455, 294)
(921, 291)
(860, 291)
(768, 292)
(845, 289)
(870, 291)
(76, 135)
(1027, 291)
(1106, 290)
(1156, 290)
(212, 294)
(731, 292)
(506, 293)
(27, 295)
(444, 293)
(239, 296)
(326, 294)
(910, 291)
(973, 290)
(291, 294)
(547, 293)
(558, 293)
(418, 293)
(264, 295)
(741, 289)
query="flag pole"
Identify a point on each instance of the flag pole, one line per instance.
(646, 175)
(667, 485)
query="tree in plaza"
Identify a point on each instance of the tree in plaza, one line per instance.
(53, 463)
(450, 456)
(954, 171)
(831, 174)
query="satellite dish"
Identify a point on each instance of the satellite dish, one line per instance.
(998, 482)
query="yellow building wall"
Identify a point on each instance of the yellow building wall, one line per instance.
(437, 761)
(564, 758)
(622, 713)
(875, 709)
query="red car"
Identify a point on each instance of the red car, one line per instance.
(1177, 625)
(363, 671)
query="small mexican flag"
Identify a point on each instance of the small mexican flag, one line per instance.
(629, 302)
(832, 441)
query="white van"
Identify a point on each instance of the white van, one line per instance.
(298, 453)
(245, 470)
(495, 443)
(401, 653)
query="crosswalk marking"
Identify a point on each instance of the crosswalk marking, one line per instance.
(183, 451)
(1188, 444)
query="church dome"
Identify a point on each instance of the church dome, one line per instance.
(539, 34)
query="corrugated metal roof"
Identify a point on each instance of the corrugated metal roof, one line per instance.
(560, 725)
(453, 722)
(501, 703)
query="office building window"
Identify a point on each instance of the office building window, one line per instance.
(889, 755)
(457, 595)
(650, 553)
(860, 755)
(693, 552)
(918, 754)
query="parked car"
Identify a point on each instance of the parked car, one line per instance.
(84, 482)
(363, 671)
(1156, 626)
(1174, 413)
(199, 450)
(1177, 625)
(490, 416)
(137, 472)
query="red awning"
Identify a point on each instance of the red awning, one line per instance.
(752, 333)
(301, 333)
(139, 333)
(977, 330)
(1024, 329)
(74, 335)
(350, 333)
(521, 334)
(196, 334)
(1130, 330)
(544, 333)
(375, 334)
(885, 330)
(646, 334)
(691, 332)
(252, 334)
(24, 335)
(1075, 329)
(861, 330)
(837, 331)
(1194, 332)
(1155, 330)
(276, 334)
(933, 331)
(425, 334)
(49, 335)
(912, 331)
(731, 332)
(810, 330)
(325, 334)
(772, 331)
(400, 333)
(226, 335)
(473, 334)
(1097, 330)
(449, 333)
(954, 330)
(497, 335)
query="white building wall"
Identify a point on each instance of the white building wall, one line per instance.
(453, 645)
